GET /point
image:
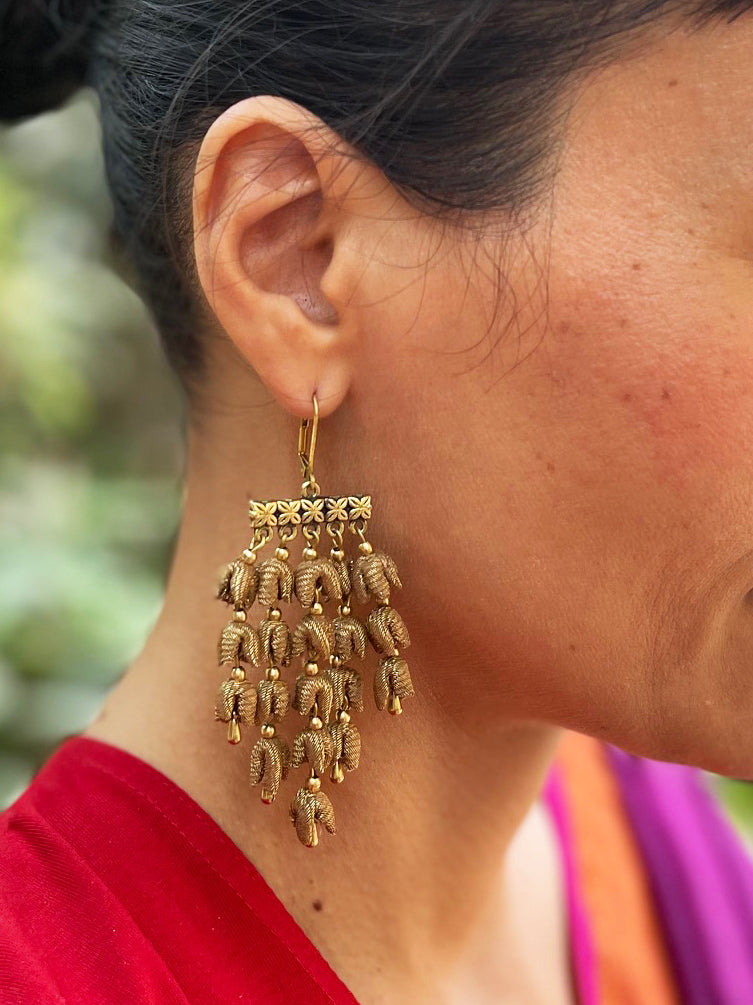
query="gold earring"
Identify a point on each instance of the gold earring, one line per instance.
(328, 689)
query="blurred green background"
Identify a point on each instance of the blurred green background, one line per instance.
(91, 444)
(91, 450)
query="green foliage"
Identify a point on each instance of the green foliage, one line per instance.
(737, 796)
(91, 444)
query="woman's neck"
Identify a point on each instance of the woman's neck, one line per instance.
(421, 886)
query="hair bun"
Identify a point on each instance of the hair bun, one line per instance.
(43, 53)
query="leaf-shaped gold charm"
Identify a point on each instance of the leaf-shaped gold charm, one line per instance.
(239, 641)
(387, 630)
(223, 584)
(350, 637)
(314, 746)
(239, 583)
(272, 701)
(343, 574)
(306, 809)
(392, 680)
(270, 763)
(313, 572)
(275, 641)
(311, 690)
(373, 575)
(346, 683)
(235, 698)
(314, 636)
(346, 741)
(275, 581)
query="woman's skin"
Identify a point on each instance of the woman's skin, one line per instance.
(566, 484)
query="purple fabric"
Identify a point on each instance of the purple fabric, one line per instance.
(582, 953)
(701, 875)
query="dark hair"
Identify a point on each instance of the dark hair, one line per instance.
(456, 101)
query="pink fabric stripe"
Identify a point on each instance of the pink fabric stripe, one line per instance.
(582, 952)
(701, 874)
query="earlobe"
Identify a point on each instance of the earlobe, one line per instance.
(264, 237)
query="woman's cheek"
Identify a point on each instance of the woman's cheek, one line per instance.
(663, 385)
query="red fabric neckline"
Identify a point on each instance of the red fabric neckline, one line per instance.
(222, 932)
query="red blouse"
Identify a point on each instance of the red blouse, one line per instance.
(144, 899)
(117, 888)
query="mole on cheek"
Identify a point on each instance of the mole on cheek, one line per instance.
(317, 905)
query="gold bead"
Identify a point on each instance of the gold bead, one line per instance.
(273, 673)
(344, 610)
(365, 548)
(268, 730)
(315, 722)
(267, 796)
(395, 708)
(316, 608)
(337, 774)
(239, 614)
(274, 614)
(282, 553)
(250, 556)
(343, 716)
(238, 673)
(233, 731)
(311, 668)
(309, 552)
(313, 783)
(338, 554)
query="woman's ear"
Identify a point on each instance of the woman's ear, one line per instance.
(275, 246)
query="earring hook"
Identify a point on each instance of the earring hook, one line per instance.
(307, 447)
